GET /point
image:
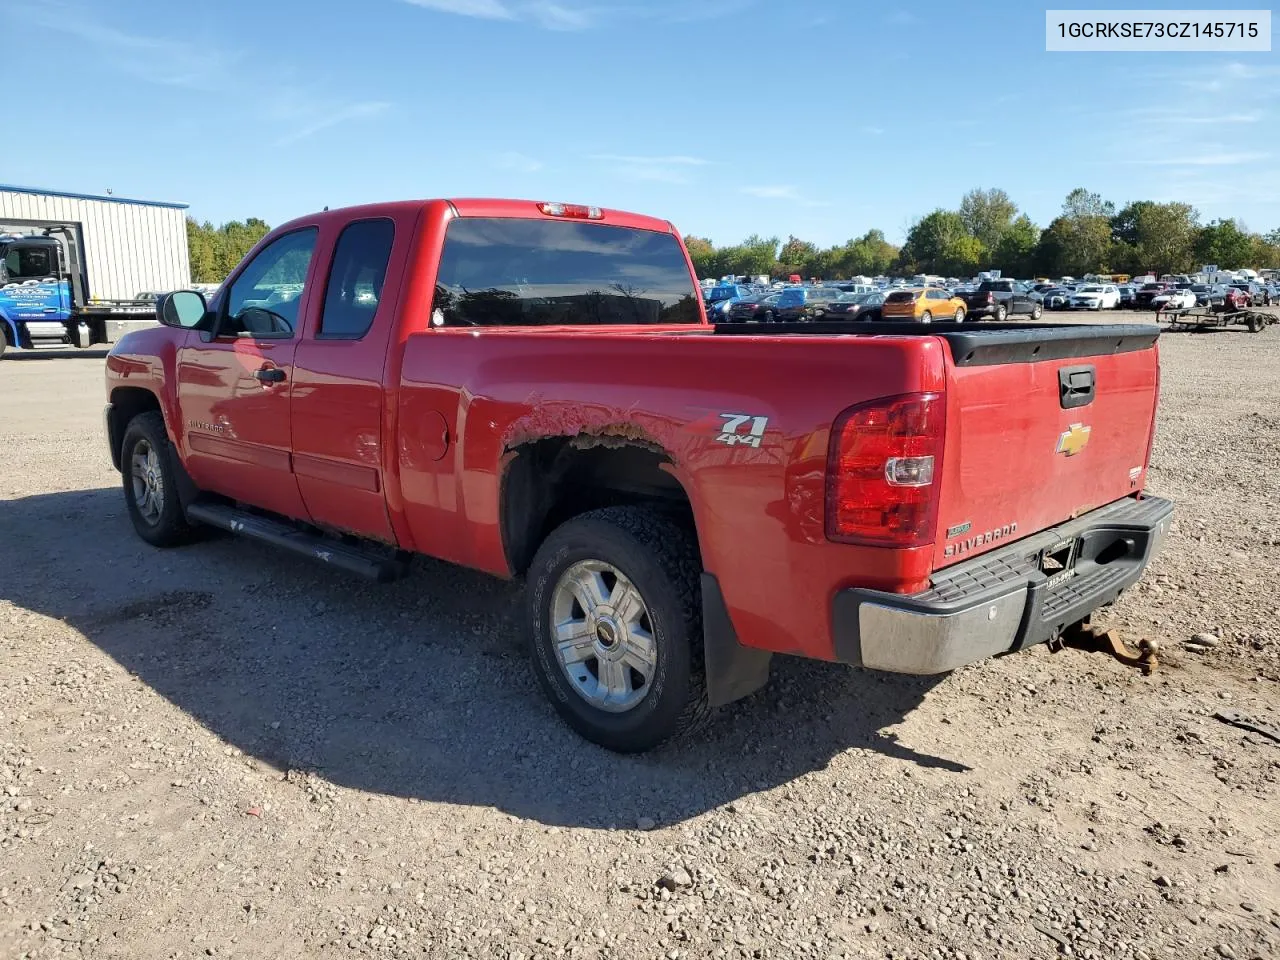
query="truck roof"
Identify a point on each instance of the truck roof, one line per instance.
(487, 207)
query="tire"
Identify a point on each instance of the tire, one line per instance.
(926, 317)
(1255, 323)
(1037, 312)
(659, 559)
(1002, 313)
(768, 316)
(959, 314)
(162, 523)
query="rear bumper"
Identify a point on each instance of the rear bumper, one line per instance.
(1001, 601)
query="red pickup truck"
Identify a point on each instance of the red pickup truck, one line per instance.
(531, 389)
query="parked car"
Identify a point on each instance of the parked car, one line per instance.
(804, 303)
(719, 298)
(1206, 294)
(1148, 292)
(1173, 299)
(1058, 298)
(1234, 298)
(1096, 296)
(1000, 299)
(856, 306)
(925, 304)
(759, 307)
(1128, 296)
(1258, 294)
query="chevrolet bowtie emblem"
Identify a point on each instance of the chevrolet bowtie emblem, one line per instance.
(1073, 439)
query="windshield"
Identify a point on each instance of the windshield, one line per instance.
(1090, 289)
(23, 262)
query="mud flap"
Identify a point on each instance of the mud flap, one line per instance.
(733, 671)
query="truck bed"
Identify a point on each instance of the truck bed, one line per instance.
(974, 345)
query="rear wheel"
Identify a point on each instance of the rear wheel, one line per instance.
(614, 606)
(926, 317)
(1002, 312)
(150, 486)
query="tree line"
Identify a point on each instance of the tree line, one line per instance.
(988, 232)
(215, 251)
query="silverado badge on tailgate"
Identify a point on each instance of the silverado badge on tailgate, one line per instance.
(1073, 439)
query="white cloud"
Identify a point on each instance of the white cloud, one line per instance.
(705, 10)
(519, 162)
(786, 192)
(292, 111)
(669, 161)
(322, 115)
(169, 61)
(556, 16)
(576, 16)
(1174, 116)
(1203, 160)
(872, 131)
(485, 9)
(656, 169)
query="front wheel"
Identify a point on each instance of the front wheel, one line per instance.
(614, 607)
(1037, 312)
(150, 485)
(959, 314)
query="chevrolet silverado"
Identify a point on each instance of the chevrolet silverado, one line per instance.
(531, 389)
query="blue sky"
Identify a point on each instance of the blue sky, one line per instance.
(820, 118)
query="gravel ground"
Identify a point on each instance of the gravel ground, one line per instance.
(224, 751)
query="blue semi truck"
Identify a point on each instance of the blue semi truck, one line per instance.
(44, 298)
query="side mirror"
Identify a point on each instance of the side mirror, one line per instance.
(182, 308)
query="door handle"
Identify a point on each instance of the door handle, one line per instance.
(269, 375)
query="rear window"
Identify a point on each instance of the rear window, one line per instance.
(510, 272)
(902, 296)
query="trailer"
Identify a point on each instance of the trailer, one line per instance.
(1206, 318)
(79, 270)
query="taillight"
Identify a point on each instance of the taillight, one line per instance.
(991, 298)
(576, 210)
(882, 470)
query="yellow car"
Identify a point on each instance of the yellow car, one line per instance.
(925, 304)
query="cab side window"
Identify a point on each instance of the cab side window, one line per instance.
(264, 300)
(354, 290)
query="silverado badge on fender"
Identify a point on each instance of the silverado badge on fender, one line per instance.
(1073, 439)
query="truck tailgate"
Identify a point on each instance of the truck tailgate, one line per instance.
(1041, 427)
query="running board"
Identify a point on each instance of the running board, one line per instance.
(364, 563)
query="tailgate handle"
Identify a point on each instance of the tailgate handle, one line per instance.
(1076, 386)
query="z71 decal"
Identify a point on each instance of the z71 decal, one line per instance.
(731, 432)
